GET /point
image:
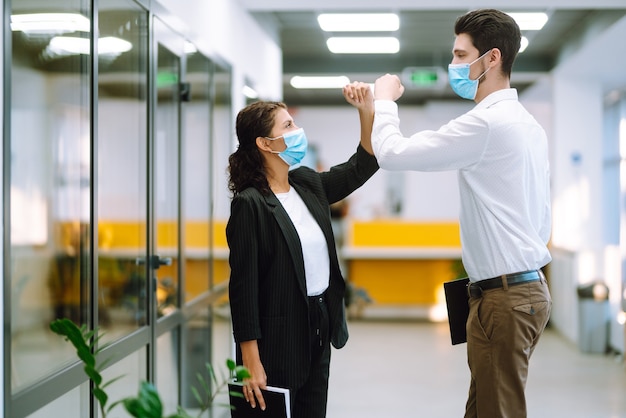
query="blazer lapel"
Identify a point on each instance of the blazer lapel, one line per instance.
(319, 214)
(291, 236)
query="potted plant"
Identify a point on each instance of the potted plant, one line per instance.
(147, 403)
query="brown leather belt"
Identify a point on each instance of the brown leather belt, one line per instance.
(475, 289)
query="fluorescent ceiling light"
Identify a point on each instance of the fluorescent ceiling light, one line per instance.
(319, 82)
(190, 48)
(50, 23)
(363, 45)
(524, 44)
(359, 22)
(250, 93)
(530, 21)
(112, 45)
(69, 45)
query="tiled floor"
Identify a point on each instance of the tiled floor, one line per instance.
(409, 369)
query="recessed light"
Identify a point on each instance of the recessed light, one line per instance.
(363, 45)
(319, 82)
(70, 45)
(359, 22)
(524, 44)
(530, 21)
(250, 93)
(50, 23)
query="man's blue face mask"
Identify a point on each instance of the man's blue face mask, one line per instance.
(458, 76)
(296, 143)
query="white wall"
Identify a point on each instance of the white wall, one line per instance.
(223, 28)
(580, 85)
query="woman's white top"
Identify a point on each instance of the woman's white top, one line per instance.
(312, 240)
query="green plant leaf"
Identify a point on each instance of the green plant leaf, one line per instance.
(203, 383)
(150, 400)
(211, 371)
(84, 353)
(196, 395)
(230, 363)
(101, 396)
(242, 373)
(93, 374)
(69, 330)
(133, 407)
(115, 379)
(236, 394)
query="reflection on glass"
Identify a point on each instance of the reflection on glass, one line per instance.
(70, 405)
(222, 147)
(167, 373)
(131, 371)
(166, 175)
(122, 171)
(196, 354)
(197, 154)
(221, 344)
(50, 177)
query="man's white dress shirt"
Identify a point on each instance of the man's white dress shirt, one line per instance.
(501, 155)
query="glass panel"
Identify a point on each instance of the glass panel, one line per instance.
(167, 373)
(222, 146)
(197, 154)
(133, 369)
(73, 404)
(122, 170)
(166, 176)
(50, 177)
(196, 354)
(222, 346)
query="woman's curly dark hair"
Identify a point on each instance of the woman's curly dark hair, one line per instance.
(245, 165)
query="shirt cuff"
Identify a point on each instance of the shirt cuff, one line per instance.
(385, 106)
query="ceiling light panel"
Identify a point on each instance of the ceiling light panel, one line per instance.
(359, 22)
(363, 45)
(319, 82)
(530, 21)
(50, 23)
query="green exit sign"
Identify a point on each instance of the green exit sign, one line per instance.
(424, 77)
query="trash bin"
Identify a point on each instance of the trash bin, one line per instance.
(593, 317)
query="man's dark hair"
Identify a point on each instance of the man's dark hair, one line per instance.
(490, 28)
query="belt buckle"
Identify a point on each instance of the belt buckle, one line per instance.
(474, 290)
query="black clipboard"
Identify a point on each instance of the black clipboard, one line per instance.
(277, 403)
(457, 302)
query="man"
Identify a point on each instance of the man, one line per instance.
(501, 154)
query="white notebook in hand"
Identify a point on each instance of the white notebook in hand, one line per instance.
(277, 403)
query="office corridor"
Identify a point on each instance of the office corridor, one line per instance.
(409, 369)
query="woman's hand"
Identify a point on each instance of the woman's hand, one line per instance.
(258, 378)
(359, 95)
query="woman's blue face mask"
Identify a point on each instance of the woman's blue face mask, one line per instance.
(296, 143)
(458, 76)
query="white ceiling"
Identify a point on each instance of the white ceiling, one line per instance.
(426, 36)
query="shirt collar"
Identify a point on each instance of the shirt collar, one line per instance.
(497, 96)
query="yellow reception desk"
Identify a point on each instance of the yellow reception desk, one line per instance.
(402, 265)
(396, 263)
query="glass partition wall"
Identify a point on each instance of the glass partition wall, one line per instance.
(108, 155)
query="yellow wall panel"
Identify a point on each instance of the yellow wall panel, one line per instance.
(410, 282)
(396, 233)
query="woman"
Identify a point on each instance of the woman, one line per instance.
(286, 288)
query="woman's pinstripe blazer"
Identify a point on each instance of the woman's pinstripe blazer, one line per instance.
(267, 286)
